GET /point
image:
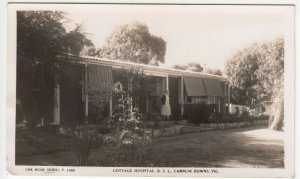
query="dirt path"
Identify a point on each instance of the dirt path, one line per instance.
(237, 148)
(245, 148)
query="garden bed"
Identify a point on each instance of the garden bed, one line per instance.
(230, 125)
(168, 131)
(204, 127)
(162, 123)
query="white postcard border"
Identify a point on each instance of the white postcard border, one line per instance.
(108, 171)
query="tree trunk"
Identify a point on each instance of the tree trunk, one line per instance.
(278, 112)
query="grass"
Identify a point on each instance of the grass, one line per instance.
(40, 142)
(237, 148)
(247, 147)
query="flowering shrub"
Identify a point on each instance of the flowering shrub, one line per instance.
(130, 137)
(132, 145)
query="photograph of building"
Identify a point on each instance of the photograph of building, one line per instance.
(116, 85)
(185, 87)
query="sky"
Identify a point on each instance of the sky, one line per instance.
(209, 35)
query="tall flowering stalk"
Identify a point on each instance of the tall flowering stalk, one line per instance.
(131, 138)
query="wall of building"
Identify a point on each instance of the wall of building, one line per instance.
(150, 104)
(237, 109)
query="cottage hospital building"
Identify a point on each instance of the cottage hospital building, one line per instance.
(72, 100)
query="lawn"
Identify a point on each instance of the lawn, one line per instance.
(243, 148)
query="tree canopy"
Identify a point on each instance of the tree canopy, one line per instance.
(193, 66)
(197, 67)
(41, 36)
(270, 73)
(133, 42)
(256, 71)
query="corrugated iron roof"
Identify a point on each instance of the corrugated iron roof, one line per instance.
(162, 69)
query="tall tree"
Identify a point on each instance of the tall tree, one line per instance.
(271, 78)
(41, 36)
(240, 70)
(257, 71)
(270, 73)
(133, 42)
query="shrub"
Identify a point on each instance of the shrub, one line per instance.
(131, 138)
(245, 115)
(203, 113)
(154, 117)
(229, 118)
(84, 138)
(198, 113)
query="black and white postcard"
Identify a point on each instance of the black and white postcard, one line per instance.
(165, 90)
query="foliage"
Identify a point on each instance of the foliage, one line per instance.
(133, 42)
(203, 113)
(84, 139)
(271, 67)
(256, 71)
(198, 113)
(135, 81)
(197, 68)
(76, 41)
(235, 118)
(214, 71)
(190, 66)
(41, 36)
(130, 138)
(90, 51)
(241, 72)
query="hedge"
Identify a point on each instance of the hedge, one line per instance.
(204, 113)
